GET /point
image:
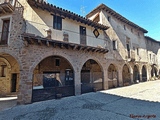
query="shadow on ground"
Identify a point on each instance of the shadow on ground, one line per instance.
(90, 106)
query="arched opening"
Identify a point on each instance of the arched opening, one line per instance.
(154, 72)
(126, 75)
(53, 78)
(136, 76)
(91, 77)
(144, 74)
(113, 76)
(9, 78)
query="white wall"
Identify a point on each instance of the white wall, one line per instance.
(38, 21)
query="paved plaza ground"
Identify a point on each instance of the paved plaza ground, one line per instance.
(139, 101)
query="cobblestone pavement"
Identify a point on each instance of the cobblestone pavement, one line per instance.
(140, 102)
(7, 102)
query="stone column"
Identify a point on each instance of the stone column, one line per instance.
(131, 75)
(120, 77)
(25, 90)
(77, 82)
(140, 76)
(105, 79)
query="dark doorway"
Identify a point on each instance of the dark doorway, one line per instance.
(144, 74)
(14, 82)
(136, 76)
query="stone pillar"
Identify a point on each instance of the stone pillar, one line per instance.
(131, 75)
(120, 78)
(140, 76)
(77, 82)
(25, 90)
(105, 79)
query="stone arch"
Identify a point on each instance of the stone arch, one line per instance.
(91, 76)
(154, 71)
(113, 76)
(54, 73)
(126, 75)
(9, 74)
(38, 60)
(84, 60)
(10, 53)
(144, 73)
(136, 73)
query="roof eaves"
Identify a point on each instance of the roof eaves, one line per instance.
(116, 15)
(149, 38)
(54, 10)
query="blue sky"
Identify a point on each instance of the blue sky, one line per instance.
(145, 13)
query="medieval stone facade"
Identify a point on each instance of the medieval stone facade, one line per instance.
(46, 49)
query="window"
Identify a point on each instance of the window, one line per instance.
(131, 30)
(82, 35)
(5, 32)
(57, 22)
(3, 69)
(137, 51)
(124, 27)
(108, 18)
(150, 56)
(57, 61)
(114, 45)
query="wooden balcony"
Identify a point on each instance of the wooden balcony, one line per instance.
(7, 6)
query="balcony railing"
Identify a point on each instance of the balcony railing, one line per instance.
(4, 38)
(8, 6)
(12, 2)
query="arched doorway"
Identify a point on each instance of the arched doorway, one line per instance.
(53, 78)
(154, 72)
(91, 77)
(144, 74)
(113, 76)
(136, 76)
(126, 75)
(9, 77)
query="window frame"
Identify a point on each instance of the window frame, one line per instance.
(83, 35)
(114, 44)
(57, 22)
(57, 62)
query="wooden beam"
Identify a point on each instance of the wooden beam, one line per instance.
(47, 43)
(10, 8)
(74, 48)
(39, 42)
(62, 46)
(26, 43)
(80, 48)
(54, 44)
(31, 41)
(2, 9)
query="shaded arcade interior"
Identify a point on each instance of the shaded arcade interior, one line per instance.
(91, 77)
(9, 75)
(53, 77)
(112, 76)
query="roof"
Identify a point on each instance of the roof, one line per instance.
(116, 15)
(149, 38)
(65, 13)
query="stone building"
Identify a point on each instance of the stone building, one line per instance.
(47, 52)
